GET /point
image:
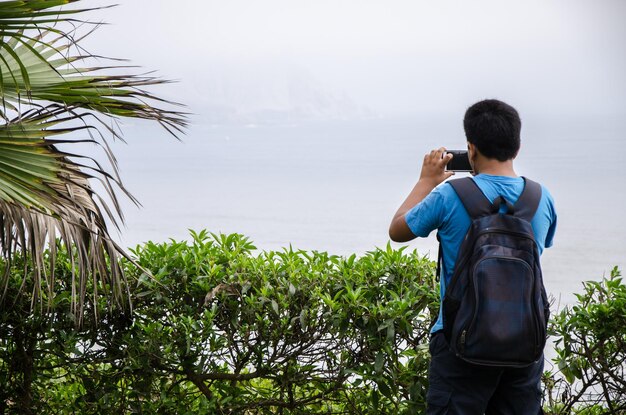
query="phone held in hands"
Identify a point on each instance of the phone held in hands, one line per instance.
(459, 162)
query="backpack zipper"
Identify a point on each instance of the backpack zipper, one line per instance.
(462, 341)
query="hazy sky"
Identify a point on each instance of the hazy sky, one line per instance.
(396, 57)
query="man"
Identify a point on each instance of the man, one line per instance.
(492, 129)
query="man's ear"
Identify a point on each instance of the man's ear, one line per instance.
(471, 155)
(471, 149)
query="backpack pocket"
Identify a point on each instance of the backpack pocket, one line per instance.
(503, 311)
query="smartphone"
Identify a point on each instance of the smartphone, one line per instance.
(459, 162)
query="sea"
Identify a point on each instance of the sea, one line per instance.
(334, 185)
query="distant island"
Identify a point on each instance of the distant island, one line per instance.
(270, 94)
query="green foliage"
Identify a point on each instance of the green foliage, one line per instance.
(591, 351)
(218, 327)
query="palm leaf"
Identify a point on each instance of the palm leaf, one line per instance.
(45, 194)
(52, 98)
(36, 70)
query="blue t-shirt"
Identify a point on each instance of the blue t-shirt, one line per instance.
(442, 210)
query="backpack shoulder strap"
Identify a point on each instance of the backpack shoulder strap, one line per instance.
(473, 199)
(528, 202)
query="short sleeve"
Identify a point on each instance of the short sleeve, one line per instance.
(553, 220)
(427, 215)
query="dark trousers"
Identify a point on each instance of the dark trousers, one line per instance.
(460, 388)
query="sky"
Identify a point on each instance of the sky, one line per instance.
(393, 57)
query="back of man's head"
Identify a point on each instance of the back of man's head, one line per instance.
(494, 128)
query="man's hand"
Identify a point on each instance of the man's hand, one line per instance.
(434, 167)
(433, 173)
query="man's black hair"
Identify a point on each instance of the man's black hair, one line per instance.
(494, 128)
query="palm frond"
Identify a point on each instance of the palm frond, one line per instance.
(53, 97)
(17, 16)
(36, 70)
(45, 194)
(32, 167)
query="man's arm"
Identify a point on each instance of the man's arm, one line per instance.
(433, 173)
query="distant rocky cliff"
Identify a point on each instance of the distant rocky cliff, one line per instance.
(263, 94)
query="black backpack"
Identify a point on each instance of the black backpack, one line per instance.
(495, 309)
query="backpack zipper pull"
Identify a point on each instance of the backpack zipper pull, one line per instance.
(462, 341)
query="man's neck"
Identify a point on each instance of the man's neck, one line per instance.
(496, 168)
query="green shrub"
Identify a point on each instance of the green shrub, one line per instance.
(591, 351)
(289, 331)
(218, 327)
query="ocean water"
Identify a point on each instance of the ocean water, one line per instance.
(334, 186)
